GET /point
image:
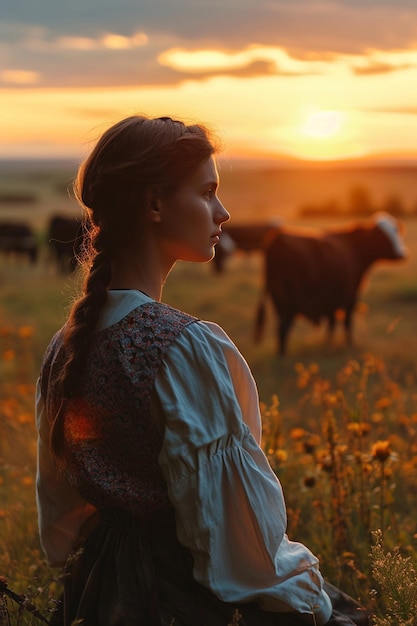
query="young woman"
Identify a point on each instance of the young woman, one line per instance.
(152, 486)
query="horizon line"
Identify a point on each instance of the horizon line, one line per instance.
(281, 161)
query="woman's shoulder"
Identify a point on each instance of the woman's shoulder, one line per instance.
(129, 304)
(206, 341)
(205, 331)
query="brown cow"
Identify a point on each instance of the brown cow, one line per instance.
(18, 238)
(316, 273)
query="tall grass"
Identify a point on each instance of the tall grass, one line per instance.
(349, 470)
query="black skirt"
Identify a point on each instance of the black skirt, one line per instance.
(134, 572)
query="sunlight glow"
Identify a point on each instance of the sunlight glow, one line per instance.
(323, 124)
(323, 134)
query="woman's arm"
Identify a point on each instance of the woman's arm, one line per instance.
(61, 511)
(229, 504)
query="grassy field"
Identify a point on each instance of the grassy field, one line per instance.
(340, 425)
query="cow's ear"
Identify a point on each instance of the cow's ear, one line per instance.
(153, 206)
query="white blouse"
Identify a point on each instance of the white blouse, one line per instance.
(229, 504)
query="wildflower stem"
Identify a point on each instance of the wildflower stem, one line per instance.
(382, 498)
(21, 600)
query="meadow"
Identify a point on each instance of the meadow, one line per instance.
(340, 425)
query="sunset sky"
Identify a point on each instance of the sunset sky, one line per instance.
(300, 79)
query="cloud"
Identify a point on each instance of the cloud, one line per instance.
(347, 26)
(19, 77)
(249, 61)
(103, 43)
(110, 41)
(380, 62)
(399, 110)
(377, 68)
(251, 70)
(74, 60)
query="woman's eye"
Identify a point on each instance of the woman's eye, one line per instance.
(209, 193)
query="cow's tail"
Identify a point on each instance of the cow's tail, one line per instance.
(260, 318)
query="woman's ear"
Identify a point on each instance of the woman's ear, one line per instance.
(153, 207)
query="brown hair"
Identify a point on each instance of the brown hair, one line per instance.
(132, 157)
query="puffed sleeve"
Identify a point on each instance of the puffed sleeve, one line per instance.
(229, 504)
(61, 511)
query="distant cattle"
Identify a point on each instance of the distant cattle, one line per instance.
(247, 237)
(65, 237)
(317, 273)
(18, 238)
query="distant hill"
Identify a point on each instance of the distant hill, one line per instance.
(250, 189)
(286, 190)
(24, 165)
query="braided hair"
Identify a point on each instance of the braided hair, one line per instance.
(134, 156)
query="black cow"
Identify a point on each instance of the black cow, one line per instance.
(247, 237)
(317, 274)
(18, 238)
(65, 236)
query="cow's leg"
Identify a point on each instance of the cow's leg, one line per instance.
(260, 320)
(330, 327)
(285, 320)
(284, 325)
(33, 255)
(348, 325)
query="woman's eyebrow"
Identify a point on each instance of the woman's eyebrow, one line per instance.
(212, 183)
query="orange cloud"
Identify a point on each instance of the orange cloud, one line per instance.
(112, 41)
(119, 42)
(383, 62)
(253, 60)
(375, 67)
(77, 43)
(19, 77)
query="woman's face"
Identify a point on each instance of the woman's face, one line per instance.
(191, 219)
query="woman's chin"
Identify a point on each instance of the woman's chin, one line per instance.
(203, 257)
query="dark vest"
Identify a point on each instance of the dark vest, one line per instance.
(111, 441)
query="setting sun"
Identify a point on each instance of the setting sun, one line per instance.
(322, 134)
(323, 124)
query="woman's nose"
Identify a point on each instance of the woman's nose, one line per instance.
(221, 214)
